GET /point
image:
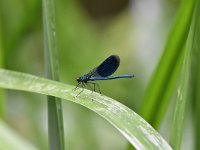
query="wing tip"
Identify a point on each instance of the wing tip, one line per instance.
(116, 57)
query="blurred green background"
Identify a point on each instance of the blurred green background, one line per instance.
(88, 31)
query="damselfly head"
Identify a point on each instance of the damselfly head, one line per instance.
(78, 79)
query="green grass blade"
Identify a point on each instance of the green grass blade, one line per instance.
(2, 105)
(195, 57)
(181, 100)
(55, 118)
(163, 82)
(136, 130)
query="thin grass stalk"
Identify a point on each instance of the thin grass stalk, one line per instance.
(55, 118)
(195, 57)
(2, 94)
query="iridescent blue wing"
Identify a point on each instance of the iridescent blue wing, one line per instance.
(108, 66)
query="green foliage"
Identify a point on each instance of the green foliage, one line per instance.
(55, 118)
(163, 82)
(195, 72)
(136, 130)
(83, 43)
(181, 100)
(1, 65)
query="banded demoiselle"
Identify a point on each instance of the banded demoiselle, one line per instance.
(102, 72)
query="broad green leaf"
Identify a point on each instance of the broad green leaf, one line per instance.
(135, 129)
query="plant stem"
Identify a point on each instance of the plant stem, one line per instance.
(2, 94)
(55, 118)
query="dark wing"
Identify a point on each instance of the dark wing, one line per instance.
(108, 67)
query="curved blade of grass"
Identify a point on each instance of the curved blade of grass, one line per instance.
(10, 140)
(163, 82)
(136, 130)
